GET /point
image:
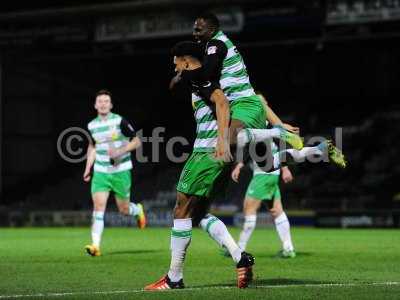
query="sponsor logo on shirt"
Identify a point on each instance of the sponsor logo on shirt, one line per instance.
(212, 50)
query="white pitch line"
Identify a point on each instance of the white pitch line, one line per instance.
(315, 285)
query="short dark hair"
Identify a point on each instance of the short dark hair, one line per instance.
(211, 19)
(103, 92)
(188, 48)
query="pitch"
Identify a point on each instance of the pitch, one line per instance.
(50, 263)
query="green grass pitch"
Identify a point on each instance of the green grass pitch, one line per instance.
(44, 263)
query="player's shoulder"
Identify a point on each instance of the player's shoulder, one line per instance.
(215, 46)
(92, 123)
(215, 43)
(116, 116)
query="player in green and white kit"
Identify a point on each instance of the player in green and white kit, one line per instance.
(264, 186)
(113, 138)
(223, 63)
(202, 175)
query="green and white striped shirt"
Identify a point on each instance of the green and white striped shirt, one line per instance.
(207, 130)
(257, 170)
(234, 80)
(107, 135)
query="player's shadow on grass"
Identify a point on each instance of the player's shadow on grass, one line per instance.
(130, 252)
(268, 282)
(298, 254)
(284, 281)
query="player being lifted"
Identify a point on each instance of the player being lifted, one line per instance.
(223, 64)
(202, 175)
(113, 138)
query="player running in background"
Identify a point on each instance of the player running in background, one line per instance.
(264, 186)
(113, 138)
(202, 176)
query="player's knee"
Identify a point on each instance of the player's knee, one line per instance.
(98, 206)
(275, 212)
(181, 209)
(124, 210)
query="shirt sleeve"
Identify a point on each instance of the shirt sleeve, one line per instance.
(127, 129)
(215, 54)
(91, 141)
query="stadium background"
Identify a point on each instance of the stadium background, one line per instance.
(321, 64)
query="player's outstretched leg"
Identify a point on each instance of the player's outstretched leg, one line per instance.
(335, 155)
(326, 147)
(219, 233)
(250, 135)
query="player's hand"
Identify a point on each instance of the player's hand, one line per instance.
(116, 152)
(287, 176)
(87, 176)
(223, 151)
(175, 80)
(236, 172)
(291, 128)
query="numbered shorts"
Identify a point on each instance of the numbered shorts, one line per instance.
(203, 175)
(250, 111)
(119, 183)
(264, 187)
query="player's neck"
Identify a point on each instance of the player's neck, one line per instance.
(104, 117)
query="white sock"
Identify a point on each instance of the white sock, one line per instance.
(97, 227)
(283, 228)
(133, 209)
(298, 155)
(219, 233)
(181, 236)
(248, 228)
(256, 135)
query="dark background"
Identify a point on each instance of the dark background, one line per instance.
(316, 75)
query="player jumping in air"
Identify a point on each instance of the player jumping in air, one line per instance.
(202, 176)
(113, 138)
(223, 64)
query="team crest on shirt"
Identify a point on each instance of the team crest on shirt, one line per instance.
(212, 50)
(114, 133)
